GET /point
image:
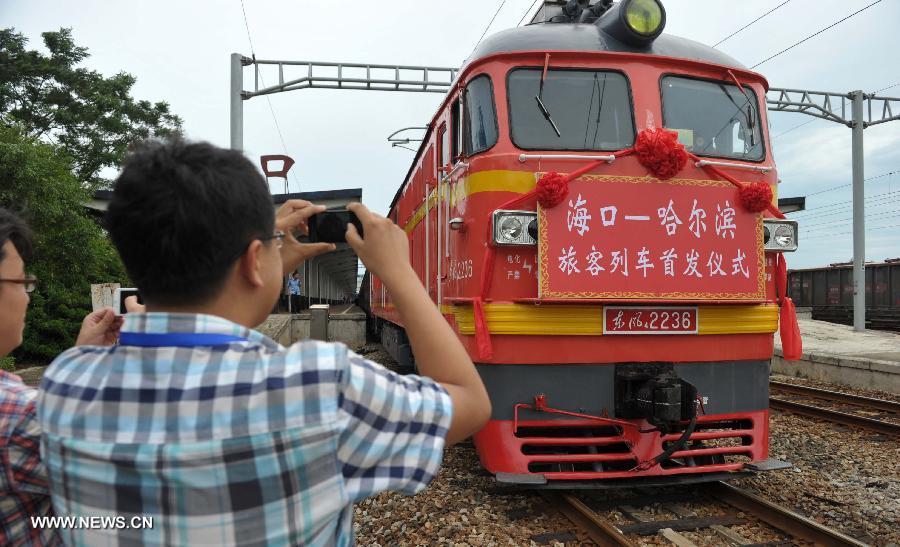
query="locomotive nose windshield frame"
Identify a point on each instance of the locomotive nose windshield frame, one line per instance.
(592, 109)
(713, 118)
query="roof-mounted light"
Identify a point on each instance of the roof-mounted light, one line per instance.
(644, 17)
(634, 22)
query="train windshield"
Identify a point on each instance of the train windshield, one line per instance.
(573, 110)
(713, 118)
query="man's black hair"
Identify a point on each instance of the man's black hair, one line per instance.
(182, 214)
(14, 229)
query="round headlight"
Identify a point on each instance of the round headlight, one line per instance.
(510, 229)
(644, 16)
(784, 236)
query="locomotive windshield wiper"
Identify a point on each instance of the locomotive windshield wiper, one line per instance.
(749, 115)
(587, 125)
(547, 115)
(540, 96)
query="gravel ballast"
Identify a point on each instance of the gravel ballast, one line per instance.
(844, 478)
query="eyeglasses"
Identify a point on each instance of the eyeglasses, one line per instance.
(30, 282)
(278, 236)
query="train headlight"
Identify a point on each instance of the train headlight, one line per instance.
(509, 227)
(634, 22)
(784, 236)
(644, 16)
(780, 236)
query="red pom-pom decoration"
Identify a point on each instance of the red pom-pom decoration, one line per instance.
(660, 152)
(756, 197)
(552, 189)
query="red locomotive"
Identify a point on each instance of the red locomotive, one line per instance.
(592, 210)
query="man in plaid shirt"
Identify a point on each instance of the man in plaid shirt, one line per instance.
(217, 433)
(23, 477)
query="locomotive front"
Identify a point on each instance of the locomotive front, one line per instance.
(599, 252)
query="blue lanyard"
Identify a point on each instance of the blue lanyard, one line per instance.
(176, 339)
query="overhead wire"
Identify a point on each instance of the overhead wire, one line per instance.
(751, 23)
(877, 200)
(836, 23)
(841, 222)
(268, 100)
(821, 236)
(874, 204)
(846, 186)
(851, 184)
(886, 88)
(795, 127)
(869, 199)
(524, 15)
(488, 25)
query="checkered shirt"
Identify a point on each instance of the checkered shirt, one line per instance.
(23, 477)
(247, 443)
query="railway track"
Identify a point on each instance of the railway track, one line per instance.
(593, 518)
(886, 419)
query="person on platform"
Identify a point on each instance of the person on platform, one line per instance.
(23, 476)
(294, 291)
(215, 432)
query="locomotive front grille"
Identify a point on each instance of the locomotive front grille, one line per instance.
(575, 448)
(713, 443)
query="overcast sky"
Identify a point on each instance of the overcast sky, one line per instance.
(179, 51)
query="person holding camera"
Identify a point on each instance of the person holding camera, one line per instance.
(214, 431)
(23, 476)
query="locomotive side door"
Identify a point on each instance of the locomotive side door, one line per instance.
(449, 169)
(442, 172)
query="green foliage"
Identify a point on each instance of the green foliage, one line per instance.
(92, 118)
(8, 363)
(71, 249)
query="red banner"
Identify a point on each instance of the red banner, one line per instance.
(633, 238)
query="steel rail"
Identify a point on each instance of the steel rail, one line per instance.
(601, 531)
(779, 517)
(794, 524)
(837, 396)
(878, 426)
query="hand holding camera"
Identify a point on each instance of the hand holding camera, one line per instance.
(385, 249)
(100, 328)
(380, 244)
(293, 218)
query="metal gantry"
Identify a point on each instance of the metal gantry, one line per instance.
(865, 110)
(857, 110)
(296, 75)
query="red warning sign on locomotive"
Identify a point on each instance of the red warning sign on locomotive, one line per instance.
(634, 238)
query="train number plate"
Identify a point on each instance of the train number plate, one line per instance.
(644, 320)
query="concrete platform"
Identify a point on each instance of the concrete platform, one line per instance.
(346, 323)
(838, 354)
(278, 328)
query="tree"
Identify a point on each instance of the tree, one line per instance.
(92, 118)
(71, 250)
